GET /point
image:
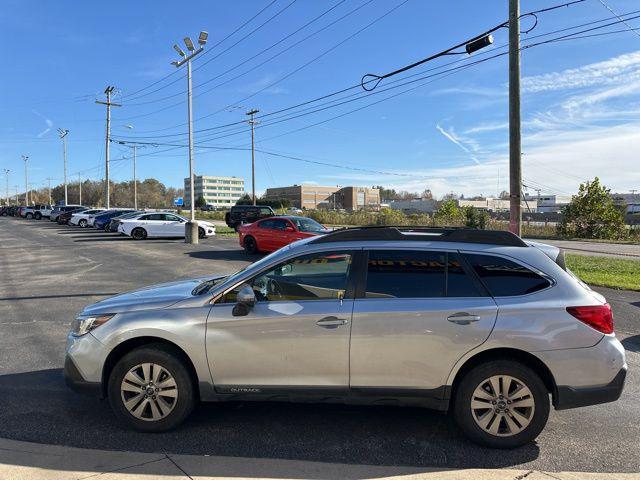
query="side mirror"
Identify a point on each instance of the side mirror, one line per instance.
(289, 228)
(246, 299)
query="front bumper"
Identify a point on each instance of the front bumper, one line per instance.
(83, 364)
(74, 380)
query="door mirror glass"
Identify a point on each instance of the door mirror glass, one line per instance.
(246, 296)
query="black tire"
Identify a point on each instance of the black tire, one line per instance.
(37, 216)
(139, 233)
(250, 245)
(28, 216)
(172, 362)
(83, 223)
(464, 415)
(201, 233)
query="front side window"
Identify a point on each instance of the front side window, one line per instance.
(504, 278)
(318, 276)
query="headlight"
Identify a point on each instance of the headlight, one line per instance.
(85, 323)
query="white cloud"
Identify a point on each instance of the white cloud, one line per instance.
(618, 70)
(460, 142)
(487, 127)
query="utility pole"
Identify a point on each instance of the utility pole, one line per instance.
(252, 122)
(6, 175)
(79, 188)
(515, 152)
(16, 194)
(63, 135)
(50, 200)
(191, 227)
(26, 180)
(109, 104)
(135, 180)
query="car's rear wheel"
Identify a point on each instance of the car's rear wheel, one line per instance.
(83, 223)
(151, 389)
(139, 233)
(37, 216)
(29, 215)
(250, 245)
(501, 404)
(201, 232)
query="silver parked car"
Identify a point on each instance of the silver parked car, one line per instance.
(478, 323)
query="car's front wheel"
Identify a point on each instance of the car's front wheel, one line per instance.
(29, 215)
(37, 216)
(151, 389)
(139, 233)
(201, 232)
(501, 404)
(83, 223)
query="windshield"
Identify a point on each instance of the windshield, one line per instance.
(307, 225)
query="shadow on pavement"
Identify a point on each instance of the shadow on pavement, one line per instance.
(236, 255)
(38, 407)
(631, 344)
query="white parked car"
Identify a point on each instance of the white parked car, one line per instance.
(81, 219)
(161, 224)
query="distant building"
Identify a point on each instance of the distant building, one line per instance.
(217, 191)
(497, 204)
(307, 197)
(549, 203)
(416, 205)
(355, 198)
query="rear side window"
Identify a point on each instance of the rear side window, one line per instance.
(418, 274)
(504, 278)
(405, 274)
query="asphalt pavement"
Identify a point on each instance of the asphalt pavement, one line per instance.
(48, 273)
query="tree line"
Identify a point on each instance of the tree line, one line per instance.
(151, 194)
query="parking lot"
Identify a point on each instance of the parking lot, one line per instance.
(50, 272)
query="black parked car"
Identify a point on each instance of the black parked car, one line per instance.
(240, 214)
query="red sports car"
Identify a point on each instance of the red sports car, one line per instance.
(272, 233)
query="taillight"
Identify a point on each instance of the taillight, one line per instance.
(599, 317)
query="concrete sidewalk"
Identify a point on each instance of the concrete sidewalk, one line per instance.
(32, 461)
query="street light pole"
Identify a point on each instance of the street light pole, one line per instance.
(191, 227)
(49, 185)
(63, 135)
(515, 146)
(26, 181)
(252, 122)
(109, 104)
(6, 175)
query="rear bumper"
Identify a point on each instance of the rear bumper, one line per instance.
(570, 397)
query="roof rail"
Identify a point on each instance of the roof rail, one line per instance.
(461, 235)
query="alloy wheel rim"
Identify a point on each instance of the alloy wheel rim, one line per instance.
(502, 405)
(149, 392)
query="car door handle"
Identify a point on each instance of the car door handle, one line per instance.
(463, 318)
(331, 322)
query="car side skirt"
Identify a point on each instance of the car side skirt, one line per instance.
(435, 398)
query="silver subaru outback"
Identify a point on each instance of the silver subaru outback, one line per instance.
(478, 323)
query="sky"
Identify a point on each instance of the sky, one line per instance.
(446, 130)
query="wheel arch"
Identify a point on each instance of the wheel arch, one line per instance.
(131, 344)
(526, 358)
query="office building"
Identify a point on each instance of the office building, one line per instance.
(217, 191)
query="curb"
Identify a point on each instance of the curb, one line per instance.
(24, 460)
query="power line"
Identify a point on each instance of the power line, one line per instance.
(631, 29)
(204, 53)
(245, 61)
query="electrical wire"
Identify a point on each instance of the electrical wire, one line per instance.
(203, 54)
